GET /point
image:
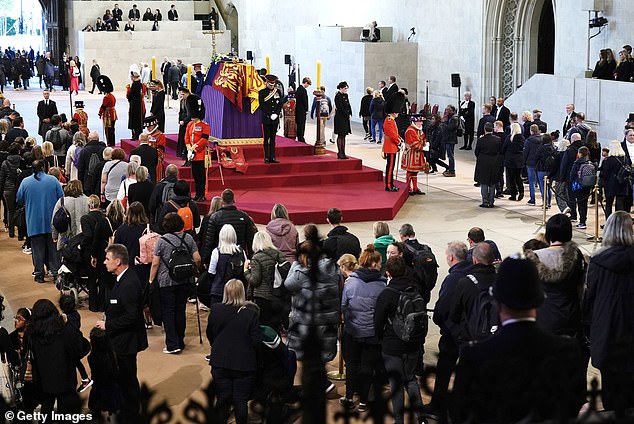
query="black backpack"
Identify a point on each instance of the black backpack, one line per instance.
(61, 219)
(625, 175)
(235, 266)
(56, 139)
(93, 163)
(180, 264)
(549, 163)
(168, 192)
(484, 321)
(410, 320)
(424, 264)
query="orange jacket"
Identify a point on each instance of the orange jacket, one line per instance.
(197, 136)
(391, 139)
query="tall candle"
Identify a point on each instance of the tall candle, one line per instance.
(318, 74)
(189, 77)
(268, 65)
(154, 67)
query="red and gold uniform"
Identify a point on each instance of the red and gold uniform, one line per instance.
(82, 119)
(413, 157)
(196, 140)
(390, 149)
(108, 115)
(156, 139)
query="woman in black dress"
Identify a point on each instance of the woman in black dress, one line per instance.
(343, 114)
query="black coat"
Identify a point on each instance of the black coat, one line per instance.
(628, 159)
(513, 152)
(44, 112)
(568, 159)
(545, 151)
(487, 152)
(608, 307)
(301, 101)
(468, 113)
(609, 169)
(272, 106)
(339, 241)
(149, 158)
(125, 324)
(156, 199)
(135, 111)
(91, 147)
(141, 192)
(364, 109)
(503, 114)
(9, 174)
(442, 310)
(343, 113)
(486, 118)
(134, 14)
(520, 370)
(531, 147)
(158, 108)
(391, 90)
(55, 360)
(240, 221)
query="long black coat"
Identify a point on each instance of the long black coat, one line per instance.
(342, 114)
(513, 151)
(124, 315)
(44, 112)
(135, 112)
(55, 360)
(301, 101)
(487, 152)
(158, 108)
(609, 169)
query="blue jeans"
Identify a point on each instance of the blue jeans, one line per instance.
(532, 175)
(451, 157)
(540, 181)
(173, 302)
(373, 123)
(44, 251)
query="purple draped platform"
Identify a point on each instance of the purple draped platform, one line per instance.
(227, 123)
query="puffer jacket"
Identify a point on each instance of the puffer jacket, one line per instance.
(261, 275)
(561, 276)
(324, 297)
(284, 236)
(76, 207)
(9, 174)
(358, 301)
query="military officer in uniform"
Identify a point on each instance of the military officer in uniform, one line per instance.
(413, 157)
(271, 102)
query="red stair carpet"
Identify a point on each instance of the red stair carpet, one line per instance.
(306, 184)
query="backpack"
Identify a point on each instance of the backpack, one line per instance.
(484, 321)
(61, 219)
(625, 175)
(180, 264)
(461, 128)
(146, 246)
(234, 267)
(324, 107)
(76, 155)
(410, 320)
(93, 163)
(168, 192)
(550, 162)
(425, 264)
(587, 175)
(185, 212)
(56, 139)
(281, 272)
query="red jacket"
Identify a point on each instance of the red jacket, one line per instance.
(391, 139)
(197, 135)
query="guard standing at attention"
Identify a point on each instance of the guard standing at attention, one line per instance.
(413, 157)
(271, 102)
(196, 138)
(107, 111)
(392, 140)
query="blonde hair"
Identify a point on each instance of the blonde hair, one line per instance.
(279, 211)
(369, 90)
(616, 149)
(132, 168)
(216, 203)
(47, 149)
(227, 240)
(380, 228)
(93, 201)
(348, 262)
(515, 129)
(377, 93)
(527, 115)
(234, 293)
(30, 141)
(79, 139)
(107, 153)
(141, 174)
(261, 241)
(115, 212)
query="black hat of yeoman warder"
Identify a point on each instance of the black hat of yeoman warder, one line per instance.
(194, 104)
(104, 84)
(150, 120)
(517, 284)
(79, 104)
(395, 103)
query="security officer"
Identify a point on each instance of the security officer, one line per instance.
(271, 101)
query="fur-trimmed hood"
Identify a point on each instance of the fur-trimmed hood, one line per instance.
(555, 263)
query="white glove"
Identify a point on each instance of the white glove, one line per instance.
(273, 116)
(190, 155)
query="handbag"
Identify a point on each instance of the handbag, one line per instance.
(6, 381)
(29, 375)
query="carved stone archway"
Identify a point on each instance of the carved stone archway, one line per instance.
(510, 44)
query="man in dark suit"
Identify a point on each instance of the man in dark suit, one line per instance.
(569, 121)
(172, 14)
(503, 113)
(487, 168)
(117, 13)
(467, 112)
(486, 117)
(148, 154)
(628, 148)
(522, 372)
(125, 326)
(392, 88)
(301, 108)
(45, 110)
(537, 120)
(383, 88)
(134, 14)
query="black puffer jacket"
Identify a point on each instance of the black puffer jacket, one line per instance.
(9, 174)
(240, 221)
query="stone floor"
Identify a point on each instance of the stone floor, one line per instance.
(446, 213)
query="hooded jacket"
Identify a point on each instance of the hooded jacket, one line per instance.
(608, 308)
(531, 146)
(339, 241)
(284, 236)
(9, 174)
(358, 301)
(261, 274)
(561, 276)
(181, 201)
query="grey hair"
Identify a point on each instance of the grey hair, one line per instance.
(618, 230)
(406, 230)
(458, 249)
(141, 174)
(132, 167)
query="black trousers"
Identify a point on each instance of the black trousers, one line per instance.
(447, 358)
(174, 89)
(389, 169)
(580, 204)
(67, 403)
(300, 121)
(468, 135)
(198, 171)
(270, 131)
(129, 383)
(110, 140)
(363, 362)
(514, 181)
(181, 152)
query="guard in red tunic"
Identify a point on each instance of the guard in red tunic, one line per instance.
(107, 111)
(413, 157)
(391, 138)
(81, 117)
(156, 139)
(196, 139)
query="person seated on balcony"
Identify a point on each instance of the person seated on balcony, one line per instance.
(148, 15)
(172, 14)
(129, 26)
(604, 68)
(88, 28)
(623, 71)
(157, 16)
(100, 25)
(111, 23)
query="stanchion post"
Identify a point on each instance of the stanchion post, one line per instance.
(596, 238)
(339, 374)
(544, 200)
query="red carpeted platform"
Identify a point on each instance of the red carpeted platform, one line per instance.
(306, 184)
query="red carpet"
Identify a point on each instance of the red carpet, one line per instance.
(306, 184)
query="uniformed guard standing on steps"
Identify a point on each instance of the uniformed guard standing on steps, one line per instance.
(271, 101)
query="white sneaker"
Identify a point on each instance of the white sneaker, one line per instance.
(27, 251)
(566, 211)
(171, 352)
